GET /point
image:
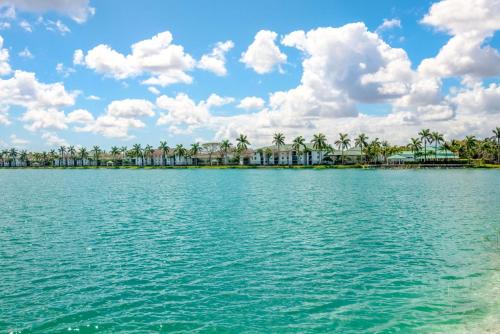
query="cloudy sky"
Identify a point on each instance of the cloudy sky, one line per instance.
(79, 72)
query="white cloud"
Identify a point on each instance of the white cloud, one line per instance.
(4, 25)
(216, 60)
(388, 24)
(49, 118)
(154, 90)
(130, 108)
(166, 63)
(4, 60)
(78, 10)
(26, 26)
(78, 57)
(18, 142)
(251, 103)
(26, 53)
(93, 98)
(471, 23)
(263, 54)
(181, 110)
(63, 70)
(53, 140)
(119, 118)
(57, 26)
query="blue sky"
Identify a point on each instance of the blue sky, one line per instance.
(298, 95)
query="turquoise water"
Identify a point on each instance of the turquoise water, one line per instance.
(339, 251)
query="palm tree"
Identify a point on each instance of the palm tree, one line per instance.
(52, 156)
(180, 151)
(242, 145)
(62, 151)
(319, 143)
(361, 141)
(279, 140)
(469, 143)
(96, 150)
(12, 157)
(496, 137)
(195, 149)
(84, 154)
(225, 146)
(343, 143)
(425, 136)
(298, 143)
(114, 153)
(123, 151)
(148, 152)
(374, 149)
(72, 153)
(164, 151)
(137, 153)
(415, 146)
(437, 139)
(24, 158)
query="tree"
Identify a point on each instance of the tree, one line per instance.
(279, 140)
(195, 150)
(114, 153)
(72, 153)
(225, 146)
(148, 152)
(52, 156)
(210, 149)
(96, 150)
(469, 144)
(343, 143)
(24, 158)
(12, 157)
(496, 131)
(62, 151)
(425, 137)
(415, 146)
(437, 139)
(180, 151)
(123, 150)
(361, 141)
(84, 154)
(319, 143)
(164, 152)
(298, 143)
(242, 145)
(137, 153)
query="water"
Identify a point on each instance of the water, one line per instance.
(341, 251)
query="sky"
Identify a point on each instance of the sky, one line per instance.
(80, 72)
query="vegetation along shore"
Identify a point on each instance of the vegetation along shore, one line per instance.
(428, 149)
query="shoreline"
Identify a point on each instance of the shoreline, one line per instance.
(397, 167)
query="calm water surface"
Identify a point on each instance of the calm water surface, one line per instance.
(339, 251)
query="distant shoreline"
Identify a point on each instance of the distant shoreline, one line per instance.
(399, 167)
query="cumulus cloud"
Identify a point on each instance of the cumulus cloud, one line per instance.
(251, 103)
(164, 62)
(78, 10)
(181, 110)
(388, 24)
(263, 55)
(154, 90)
(467, 53)
(26, 53)
(120, 116)
(4, 59)
(26, 26)
(215, 61)
(49, 118)
(18, 142)
(53, 140)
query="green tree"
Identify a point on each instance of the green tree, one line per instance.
(297, 145)
(279, 140)
(343, 143)
(415, 146)
(195, 149)
(164, 152)
(319, 143)
(62, 151)
(437, 139)
(425, 137)
(12, 157)
(225, 146)
(148, 153)
(179, 151)
(470, 143)
(115, 151)
(137, 153)
(496, 136)
(84, 154)
(96, 151)
(361, 141)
